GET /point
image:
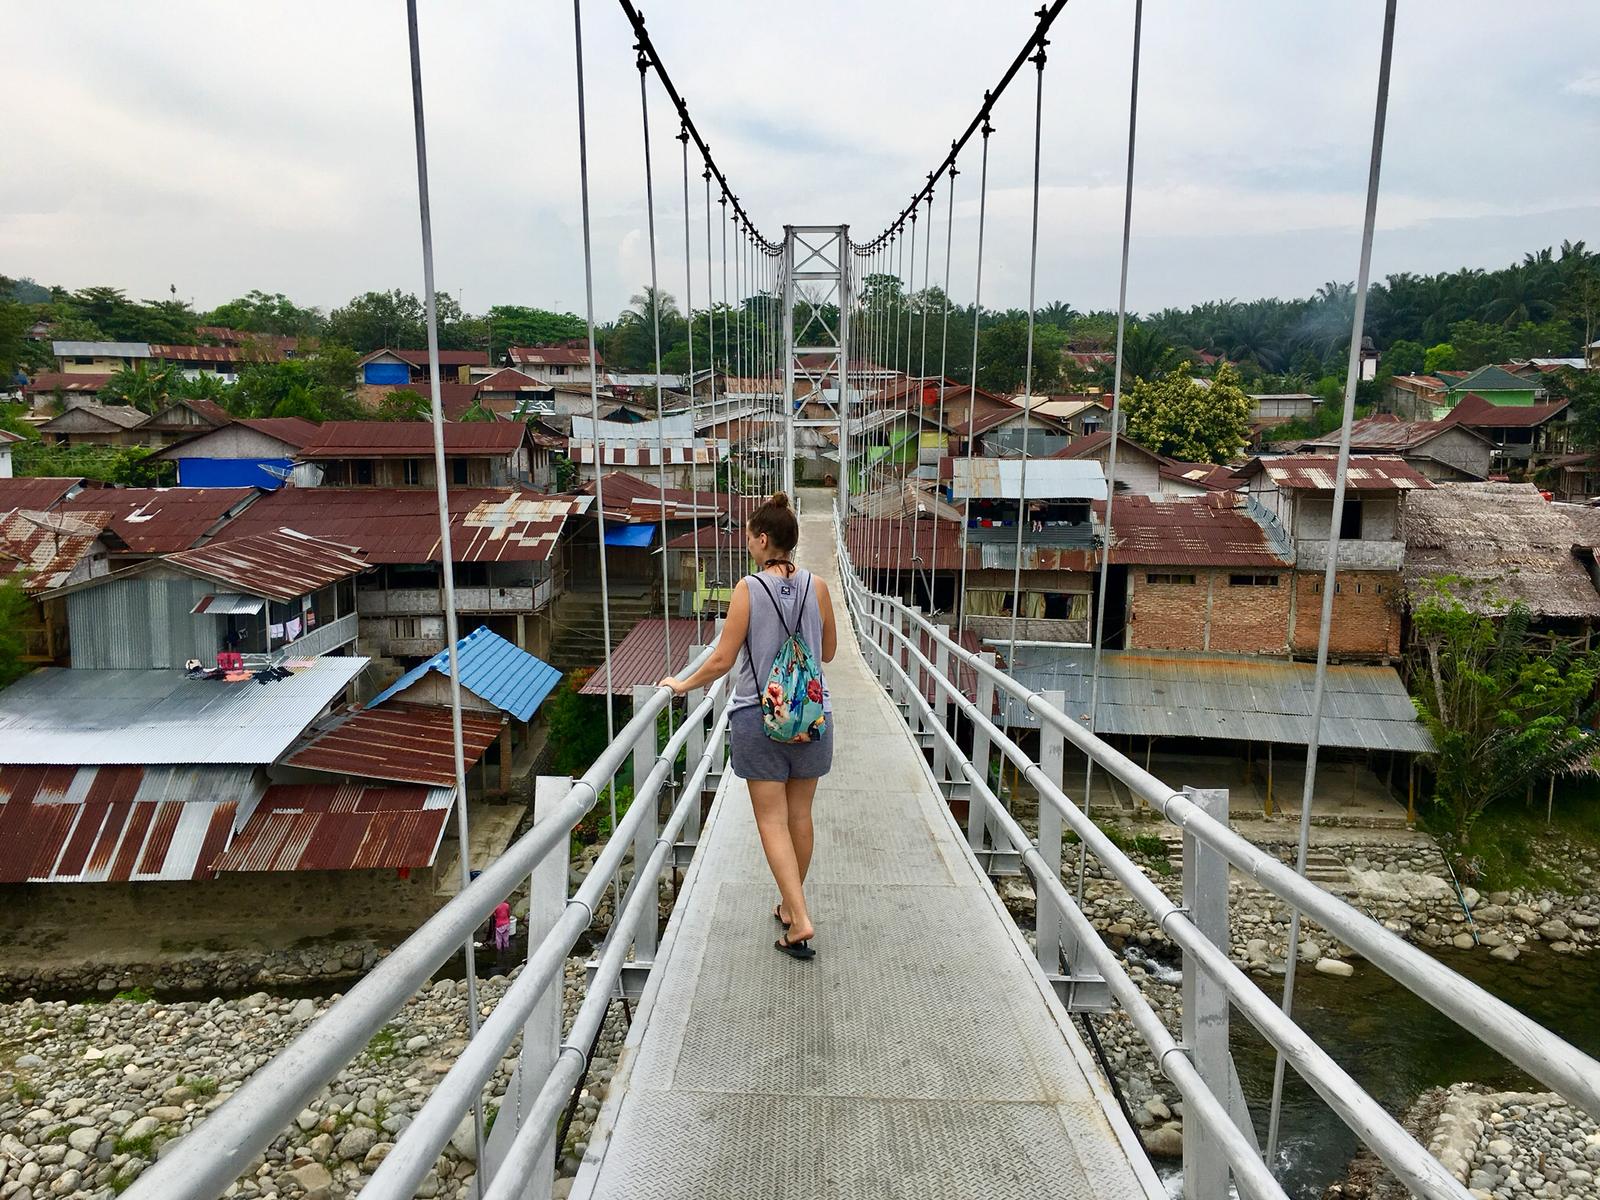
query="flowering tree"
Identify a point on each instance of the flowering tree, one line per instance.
(1178, 416)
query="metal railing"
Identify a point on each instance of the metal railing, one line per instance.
(892, 636)
(205, 1162)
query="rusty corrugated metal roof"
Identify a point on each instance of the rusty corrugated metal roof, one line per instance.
(62, 824)
(39, 492)
(546, 356)
(893, 545)
(413, 439)
(1205, 531)
(298, 827)
(281, 565)
(401, 525)
(1316, 473)
(163, 520)
(411, 743)
(641, 657)
(46, 547)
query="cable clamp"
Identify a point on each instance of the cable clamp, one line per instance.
(1181, 910)
(1161, 1060)
(583, 904)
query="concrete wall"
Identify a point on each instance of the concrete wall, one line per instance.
(237, 441)
(1312, 515)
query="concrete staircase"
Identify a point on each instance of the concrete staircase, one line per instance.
(579, 639)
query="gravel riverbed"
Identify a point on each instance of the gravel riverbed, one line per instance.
(93, 1093)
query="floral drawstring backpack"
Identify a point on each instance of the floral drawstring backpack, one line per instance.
(791, 703)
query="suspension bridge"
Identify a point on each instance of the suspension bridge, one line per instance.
(933, 1049)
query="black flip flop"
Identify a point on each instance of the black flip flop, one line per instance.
(797, 950)
(776, 917)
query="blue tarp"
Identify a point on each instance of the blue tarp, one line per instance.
(630, 535)
(380, 372)
(269, 473)
(499, 671)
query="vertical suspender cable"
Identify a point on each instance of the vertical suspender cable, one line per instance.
(913, 496)
(446, 551)
(594, 415)
(944, 343)
(1116, 428)
(694, 470)
(1330, 574)
(972, 377)
(901, 561)
(727, 362)
(643, 63)
(1027, 373)
(711, 343)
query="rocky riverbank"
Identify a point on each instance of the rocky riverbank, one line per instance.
(1390, 877)
(93, 1093)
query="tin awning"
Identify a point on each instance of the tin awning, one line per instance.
(229, 604)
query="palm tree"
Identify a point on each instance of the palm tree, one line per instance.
(1058, 313)
(1147, 355)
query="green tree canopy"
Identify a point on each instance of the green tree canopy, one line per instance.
(320, 387)
(1178, 416)
(516, 325)
(264, 312)
(1003, 356)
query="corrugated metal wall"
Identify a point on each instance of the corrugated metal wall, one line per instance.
(141, 623)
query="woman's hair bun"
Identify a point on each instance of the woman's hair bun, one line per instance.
(779, 500)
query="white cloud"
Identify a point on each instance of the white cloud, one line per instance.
(275, 152)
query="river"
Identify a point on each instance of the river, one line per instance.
(1397, 1047)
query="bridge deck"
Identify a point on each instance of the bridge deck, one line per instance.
(920, 1055)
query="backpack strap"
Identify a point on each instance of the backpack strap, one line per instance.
(799, 610)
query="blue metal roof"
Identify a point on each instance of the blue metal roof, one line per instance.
(630, 535)
(492, 668)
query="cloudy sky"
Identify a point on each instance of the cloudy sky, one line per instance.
(220, 147)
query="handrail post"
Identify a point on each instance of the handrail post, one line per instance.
(914, 668)
(1205, 1003)
(694, 748)
(884, 640)
(541, 1036)
(978, 815)
(941, 705)
(644, 839)
(1047, 917)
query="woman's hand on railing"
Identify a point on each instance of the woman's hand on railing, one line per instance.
(678, 686)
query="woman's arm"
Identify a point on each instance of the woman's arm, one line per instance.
(830, 635)
(727, 651)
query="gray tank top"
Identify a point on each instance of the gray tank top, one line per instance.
(769, 628)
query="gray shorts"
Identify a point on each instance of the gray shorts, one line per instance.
(756, 756)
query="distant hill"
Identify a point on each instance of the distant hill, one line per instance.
(25, 291)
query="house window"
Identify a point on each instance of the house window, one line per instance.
(1338, 588)
(411, 471)
(458, 471)
(363, 471)
(1175, 579)
(1350, 521)
(404, 628)
(1252, 581)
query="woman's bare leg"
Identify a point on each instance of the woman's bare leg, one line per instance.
(800, 793)
(771, 804)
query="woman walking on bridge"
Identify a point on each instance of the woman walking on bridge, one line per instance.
(781, 744)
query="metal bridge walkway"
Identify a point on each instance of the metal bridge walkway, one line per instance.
(922, 1054)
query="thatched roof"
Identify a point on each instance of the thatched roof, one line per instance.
(1506, 540)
